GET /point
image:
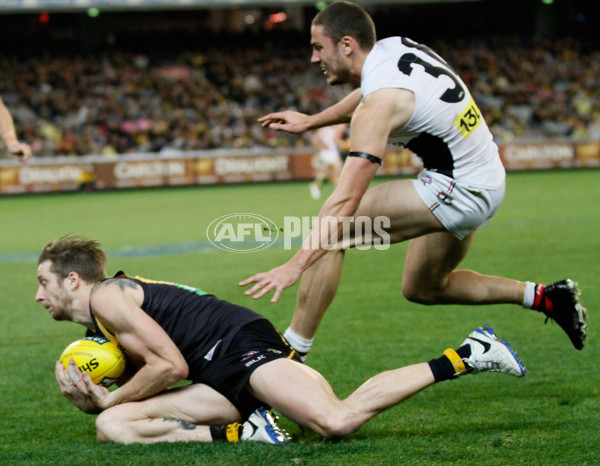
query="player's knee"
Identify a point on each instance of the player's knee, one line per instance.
(419, 295)
(416, 294)
(110, 428)
(337, 425)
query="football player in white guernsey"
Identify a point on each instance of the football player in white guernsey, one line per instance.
(327, 162)
(408, 95)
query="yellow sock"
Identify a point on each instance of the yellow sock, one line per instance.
(233, 432)
(456, 361)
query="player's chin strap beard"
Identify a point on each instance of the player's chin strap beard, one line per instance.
(365, 155)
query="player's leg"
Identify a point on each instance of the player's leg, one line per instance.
(303, 395)
(333, 171)
(320, 176)
(409, 217)
(318, 287)
(182, 414)
(430, 277)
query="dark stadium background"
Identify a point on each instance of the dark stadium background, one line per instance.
(34, 33)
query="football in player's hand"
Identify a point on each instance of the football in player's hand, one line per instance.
(98, 356)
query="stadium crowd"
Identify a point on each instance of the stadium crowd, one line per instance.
(116, 103)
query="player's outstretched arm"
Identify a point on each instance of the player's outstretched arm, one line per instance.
(372, 122)
(288, 120)
(342, 204)
(296, 122)
(276, 279)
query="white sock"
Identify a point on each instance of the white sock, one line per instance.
(300, 344)
(529, 295)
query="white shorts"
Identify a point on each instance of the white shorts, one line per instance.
(329, 157)
(459, 208)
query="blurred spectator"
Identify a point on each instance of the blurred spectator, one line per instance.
(121, 102)
(9, 135)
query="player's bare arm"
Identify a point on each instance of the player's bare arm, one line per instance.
(354, 181)
(296, 122)
(116, 306)
(372, 122)
(377, 116)
(9, 136)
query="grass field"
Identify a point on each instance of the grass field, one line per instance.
(547, 229)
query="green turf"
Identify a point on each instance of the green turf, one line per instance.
(547, 229)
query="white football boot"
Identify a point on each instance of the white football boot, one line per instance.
(261, 426)
(489, 353)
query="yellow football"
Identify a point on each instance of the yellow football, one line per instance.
(98, 356)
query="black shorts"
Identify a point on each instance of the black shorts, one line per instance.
(255, 344)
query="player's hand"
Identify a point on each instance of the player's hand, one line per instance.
(290, 121)
(72, 387)
(275, 279)
(21, 149)
(96, 393)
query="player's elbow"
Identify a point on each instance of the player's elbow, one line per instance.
(167, 371)
(182, 371)
(176, 371)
